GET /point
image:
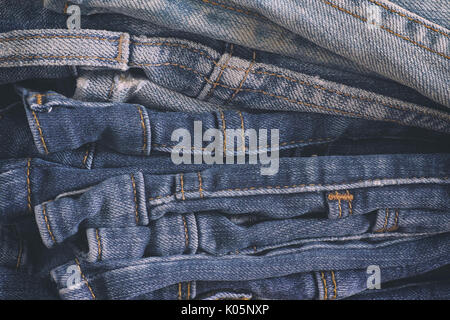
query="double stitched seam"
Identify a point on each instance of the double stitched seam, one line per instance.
(119, 49)
(44, 213)
(186, 233)
(346, 197)
(179, 291)
(222, 69)
(19, 256)
(144, 131)
(383, 229)
(324, 282)
(85, 279)
(299, 185)
(334, 285)
(401, 108)
(384, 28)
(188, 295)
(407, 17)
(111, 88)
(200, 188)
(329, 109)
(135, 199)
(395, 226)
(40, 131)
(29, 186)
(57, 57)
(249, 13)
(86, 156)
(99, 246)
(56, 37)
(252, 63)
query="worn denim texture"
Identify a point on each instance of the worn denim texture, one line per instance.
(359, 91)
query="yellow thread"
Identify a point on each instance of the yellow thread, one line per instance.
(188, 291)
(179, 291)
(334, 285)
(249, 13)
(325, 291)
(242, 132)
(86, 156)
(402, 108)
(385, 222)
(385, 28)
(186, 232)
(339, 196)
(200, 189)
(395, 226)
(222, 69)
(28, 185)
(119, 50)
(252, 63)
(99, 246)
(39, 99)
(224, 130)
(182, 187)
(409, 18)
(135, 199)
(144, 131)
(85, 279)
(350, 209)
(44, 213)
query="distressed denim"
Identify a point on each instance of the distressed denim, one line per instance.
(92, 205)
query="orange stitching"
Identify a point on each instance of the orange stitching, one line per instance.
(402, 108)
(55, 37)
(409, 18)
(339, 196)
(325, 293)
(99, 246)
(182, 187)
(144, 147)
(334, 285)
(300, 185)
(252, 63)
(85, 279)
(243, 130)
(385, 222)
(249, 13)
(347, 113)
(111, 88)
(28, 185)
(135, 199)
(385, 28)
(179, 291)
(224, 128)
(119, 50)
(57, 57)
(350, 209)
(186, 232)
(188, 291)
(65, 7)
(19, 257)
(395, 226)
(44, 213)
(222, 69)
(86, 156)
(39, 99)
(200, 189)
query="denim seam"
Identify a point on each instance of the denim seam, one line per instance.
(385, 28)
(252, 63)
(40, 131)
(29, 186)
(329, 109)
(44, 214)
(141, 116)
(386, 218)
(186, 233)
(99, 246)
(315, 86)
(395, 225)
(405, 16)
(85, 279)
(295, 186)
(19, 256)
(334, 285)
(56, 37)
(222, 69)
(112, 60)
(227, 7)
(179, 291)
(243, 131)
(288, 143)
(224, 128)
(324, 283)
(200, 189)
(86, 156)
(133, 183)
(182, 187)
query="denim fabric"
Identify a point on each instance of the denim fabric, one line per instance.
(93, 206)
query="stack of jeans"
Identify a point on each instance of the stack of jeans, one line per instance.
(344, 193)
